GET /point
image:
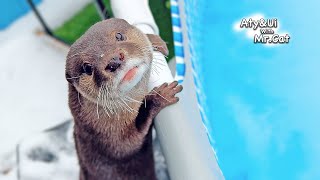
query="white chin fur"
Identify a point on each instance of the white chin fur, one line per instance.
(126, 86)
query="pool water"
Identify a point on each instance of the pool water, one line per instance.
(261, 104)
(10, 10)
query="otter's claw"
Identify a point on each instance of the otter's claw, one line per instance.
(159, 98)
(164, 95)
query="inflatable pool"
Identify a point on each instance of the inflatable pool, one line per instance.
(260, 103)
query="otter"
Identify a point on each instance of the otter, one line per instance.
(108, 69)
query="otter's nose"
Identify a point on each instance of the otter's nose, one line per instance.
(114, 63)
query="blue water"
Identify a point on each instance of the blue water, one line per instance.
(261, 104)
(10, 10)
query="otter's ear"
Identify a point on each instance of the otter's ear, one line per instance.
(158, 44)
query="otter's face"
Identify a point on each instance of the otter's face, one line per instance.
(111, 58)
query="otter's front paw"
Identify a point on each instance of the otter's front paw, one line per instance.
(155, 101)
(164, 95)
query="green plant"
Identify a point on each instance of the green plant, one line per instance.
(73, 28)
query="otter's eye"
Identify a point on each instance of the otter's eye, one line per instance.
(120, 37)
(87, 68)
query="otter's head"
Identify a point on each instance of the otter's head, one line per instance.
(111, 57)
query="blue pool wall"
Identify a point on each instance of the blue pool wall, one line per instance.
(260, 104)
(11, 10)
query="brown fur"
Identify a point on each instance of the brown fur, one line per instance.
(115, 146)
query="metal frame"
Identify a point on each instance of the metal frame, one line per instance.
(99, 6)
(102, 9)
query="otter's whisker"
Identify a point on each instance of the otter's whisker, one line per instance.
(158, 61)
(157, 66)
(80, 54)
(155, 71)
(123, 106)
(145, 80)
(132, 100)
(160, 55)
(76, 77)
(90, 88)
(135, 92)
(113, 104)
(107, 99)
(98, 99)
(145, 102)
(155, 80)
(79, 99)
(104, 101)
(160, 95)
(109, 103)
(106, 110)
(148, 80)
(128, 105)
(155, 61)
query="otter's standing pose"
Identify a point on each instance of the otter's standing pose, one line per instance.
(108, 70)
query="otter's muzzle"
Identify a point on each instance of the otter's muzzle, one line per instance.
(115, 63)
